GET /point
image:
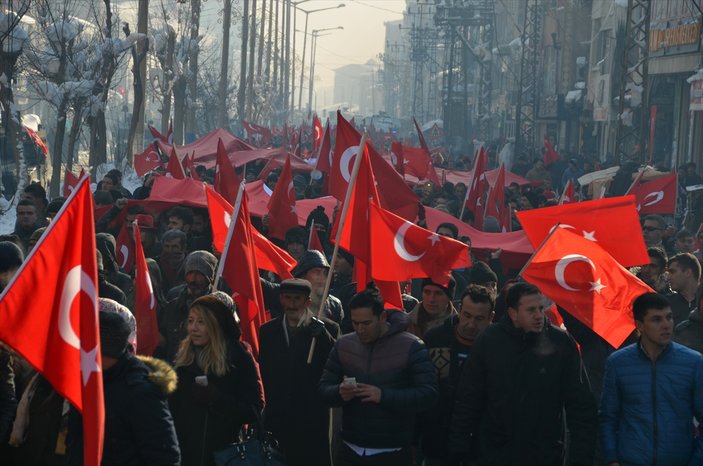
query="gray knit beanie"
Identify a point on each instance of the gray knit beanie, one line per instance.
(203, 262)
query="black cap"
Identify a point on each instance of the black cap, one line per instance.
(482, 274)
(449, 289)
(114, 334)
(310, 260)
(296, 285)
(11, 256)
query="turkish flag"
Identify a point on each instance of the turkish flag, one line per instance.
(397, 157)
(569, 194)
(418, 163)
(495, 202)
(550, 154)
(239, 268)
(69, 183)
(477, 187)
(356, 233)
(282, 210)
(226, 180)
(55, 328)
(324, 156)
(421, 136)
(144, 301)
(314, 243)
(394, 194)
(147, 160)
(613, 223)
(401, 250)
(174, 166)
(156, 134)
(268, 255)
(581, 277)
(190, 164)
(317, 136)
(656, 196)
(125, 250)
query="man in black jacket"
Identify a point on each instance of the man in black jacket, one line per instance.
(449, 346)
(520, 379)
(293, 350)
(382, 376)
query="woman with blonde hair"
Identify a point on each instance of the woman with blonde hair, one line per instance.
(219, 385)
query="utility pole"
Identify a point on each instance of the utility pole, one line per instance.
(262, 31)
(241, 95)
(286, 78)
(252, 60)
(632, 131)
(142, 47)
(268, 43)
(193, 83)
(275, 48)
(224, 65)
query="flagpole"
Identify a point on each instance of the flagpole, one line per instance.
(312, 228)
(230, 233)
(468, 188)
(638, 178)
(340, 227)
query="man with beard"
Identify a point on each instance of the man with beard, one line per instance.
(199, 268)
(436, 305)
(173, 252)
(313, 267)
(449, 345)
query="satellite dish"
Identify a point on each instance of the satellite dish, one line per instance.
(316, 175)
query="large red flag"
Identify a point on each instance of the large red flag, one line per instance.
(401, 250)
(240, 270)
(281, 206)
(476, 189)
(144, 301)
(226, 180)
(174, 168)
(394, 194)
(190, 165)
(612, 222)
(421, 136)
(569, 194)
(324, 155)
(550, 154)
(69, 183)
(495, 202)
(268, 255)
(317, 136)
(147, 160)
(56, 329)
(586, 281)
(125, 252)
(656, 196)
(418, 162)
(356, 233)
(314, 243)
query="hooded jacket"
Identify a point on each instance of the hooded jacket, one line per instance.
(139, 428)
(512, 395)
(399, 365)
(690, 332)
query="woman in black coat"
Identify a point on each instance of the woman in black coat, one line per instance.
(219, 386)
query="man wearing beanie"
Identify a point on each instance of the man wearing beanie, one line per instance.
(138, 424)
(435, 307)
(199, 268)
(481, 274)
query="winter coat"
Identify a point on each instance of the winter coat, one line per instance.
(295, 413)
(8, 399)
(171, 320)
(690, 332)
(399, 365)
(448, 356)
(272, 301)
(208, 418)
(421, 321)
(647, 408)
(139, 428)
(512, 395)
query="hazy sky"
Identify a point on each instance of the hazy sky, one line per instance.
(363, 36)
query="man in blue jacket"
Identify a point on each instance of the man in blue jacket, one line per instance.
(651, 392)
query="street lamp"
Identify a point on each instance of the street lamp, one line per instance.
(313, 50)
(305, 40)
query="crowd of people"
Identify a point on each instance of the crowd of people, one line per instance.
(469, 372)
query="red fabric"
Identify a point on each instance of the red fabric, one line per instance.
(156, 134)
(254, 129)
(167, 190)
(394, 194)
(401, 250)
(281, 205)
(398, 157)
(190, 165)
(581, 277)
(268, 255)
(421, 136)
(317, 136)
(418, 162)
(569, 194)
(69, 183)
(356, 233)
(550, 155)
(314, 243)
(144, 301)
(477, 187)
(226, 179)
(495, 202)
(147, 160)
(612, 222)
(656, 196)
(205, 148)
(125, 251)
(37, 140)
(554, 316)
(324, 158)
(56, 330)
(174, 166)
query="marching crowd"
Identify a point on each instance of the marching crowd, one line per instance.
(469, 372)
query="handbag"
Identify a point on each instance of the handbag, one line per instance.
(255, 447)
